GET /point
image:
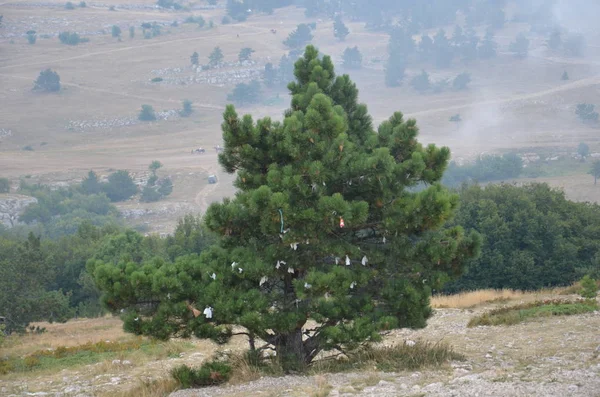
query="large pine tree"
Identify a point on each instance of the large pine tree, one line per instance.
(334, 235)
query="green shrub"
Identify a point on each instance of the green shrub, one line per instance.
(157, 79)
(589, 287)
(4, 185)
(511, 315)
(69, 6)
(209, 374)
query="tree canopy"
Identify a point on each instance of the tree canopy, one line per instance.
(533, 237)
(326, 226)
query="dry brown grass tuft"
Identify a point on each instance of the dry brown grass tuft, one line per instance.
(147, 388)
(466, 300)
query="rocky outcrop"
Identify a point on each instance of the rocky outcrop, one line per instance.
(11, 206)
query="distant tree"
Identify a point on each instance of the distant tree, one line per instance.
(554, 42)
(212, 2)
(82, 4)
(585, 111)
(1, 17)
(456, 118)
(165, 187)
(595, 170)
(120, 186)
(91, 184)
(194, 59)
(147, 113)
(461, 81)
(574, 45)
(245, 54)
(426, 48)
(155, 29)
(299, 37)
(131, 32)
(286, 69)
(225, 20)
(69, 5)
(458, 37)
(69, 38)
(237, 10)
(154, 166)
(48, 81)
(488, 46)
(269, 75)
(565, 76)
(443, 52)
(31, 38)
(421, 82)
(583, 150)
(340, 31)
(215, 57)
(116, 31)
(469, 50)
(4, 185)
(400, 48)
(244, 94)
(200, 21)
(520, 47)
(352, 58)
(187, 108)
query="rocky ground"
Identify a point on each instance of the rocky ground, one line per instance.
(557, 356)
(549, 357)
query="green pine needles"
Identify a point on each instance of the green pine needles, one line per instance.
(316, 286)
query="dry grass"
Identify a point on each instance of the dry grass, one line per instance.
(471, 299)
(72, 333)
(147, 388)
(511, 315)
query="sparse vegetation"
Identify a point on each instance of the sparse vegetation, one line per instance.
(116, 31)
(4, 185)
(515, 314)
(147, 113)
(520, 47)
(215, 57)
(209, 374)
(589, 287)
(194, 59)
(586, 113)
(352, 58)
(299, 37)
(71, 38)
(340, 30)
(48, 81)
(187, 109)
(245, 54)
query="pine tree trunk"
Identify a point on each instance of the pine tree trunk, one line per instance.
(291, 352)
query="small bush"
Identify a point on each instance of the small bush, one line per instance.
(31, 38)
(82, 4)
(70, 38)
(28, 148)
(4, 188)
(511, 315)
(589, 288)
(147, 113)
(455, 118)
(69, 6)
(157, 80)
(226, 20)
(209, 374)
